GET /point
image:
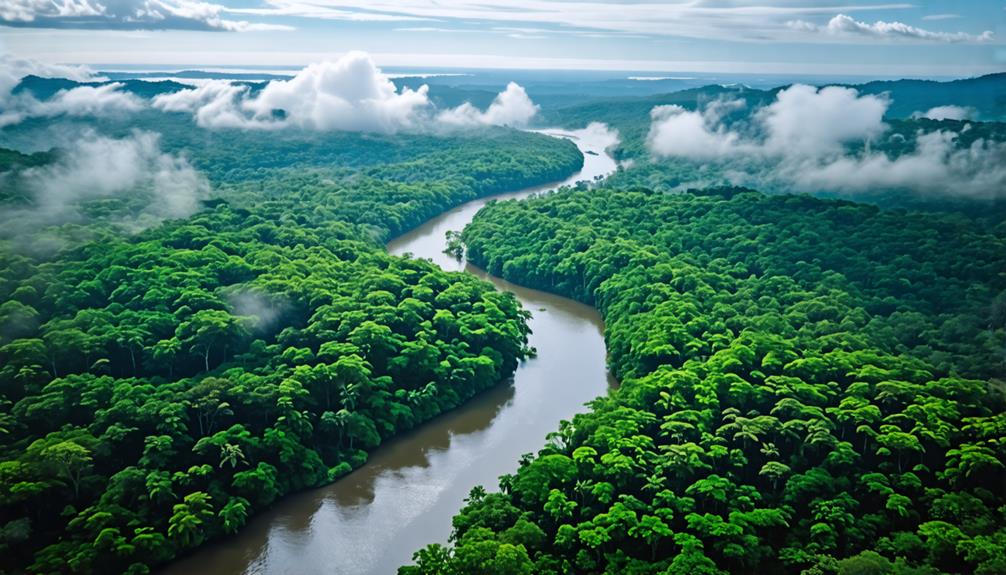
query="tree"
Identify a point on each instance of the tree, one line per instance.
(133, 340)
(234, 514)
(651, 530)
(164, 353)
(208, 400)
(558, 506)
(774, 471)
(70, 461)
(210, 329)
(186, 525)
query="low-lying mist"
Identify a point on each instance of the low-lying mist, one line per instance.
(829, 139)
(347, 94)
(149, 185)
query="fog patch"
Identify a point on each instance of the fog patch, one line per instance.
(17, 320)
(213, 104)
(598, 136)
(96, 101)
(511, 107)
(804, 141)
(947, 113)
(153, 185)
(696, 135)
(263, 310)
(80, 101)
(13, 70)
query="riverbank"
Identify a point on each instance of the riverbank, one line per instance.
(372, 520)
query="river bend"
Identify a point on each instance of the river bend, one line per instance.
(372, 520)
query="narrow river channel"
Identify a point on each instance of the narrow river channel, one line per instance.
(371, 521)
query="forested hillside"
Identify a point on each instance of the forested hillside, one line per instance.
(806, 386)
(160, 385)
(908, 144)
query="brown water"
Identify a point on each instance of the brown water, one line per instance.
(372, 520)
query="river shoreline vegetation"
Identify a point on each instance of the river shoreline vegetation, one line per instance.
(167, 374)
(807, 385)
(821, 393)
(803, 291)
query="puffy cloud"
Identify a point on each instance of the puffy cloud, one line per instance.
(157, 185)
(802, 142)
(946, 113)
(214, 104)
(598, 136)
(802, 121)
(29, 10)
(348, 94)
(844, 26)
(676, 131)
(805, 120)
(102, 100)
(127, 14)
(99, 100)
(511, 107)
(80, 101)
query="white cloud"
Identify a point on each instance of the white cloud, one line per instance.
(350, 94)
(127, 14)
(946, 113)
(158, 185)
(29, 10)
(102, 100)
(936, 167)
(511, 107)
(598, 135)
(847, 27)
(938, 17)
(676, 131)
(213, 104)
(811, 122)
(347, 94)
(801, 142)
(744, 20)
(13, 70)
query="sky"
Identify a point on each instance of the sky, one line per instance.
(931, 38)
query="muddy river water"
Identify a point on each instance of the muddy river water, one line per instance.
(372, 520)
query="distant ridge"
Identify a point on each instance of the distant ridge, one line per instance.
(986, 95)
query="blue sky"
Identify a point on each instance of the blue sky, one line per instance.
(921, 38)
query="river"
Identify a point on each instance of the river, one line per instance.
(371, 521)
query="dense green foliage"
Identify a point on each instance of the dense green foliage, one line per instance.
(678, 173)
(631, 117)
(806, 386)
(157, 389)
